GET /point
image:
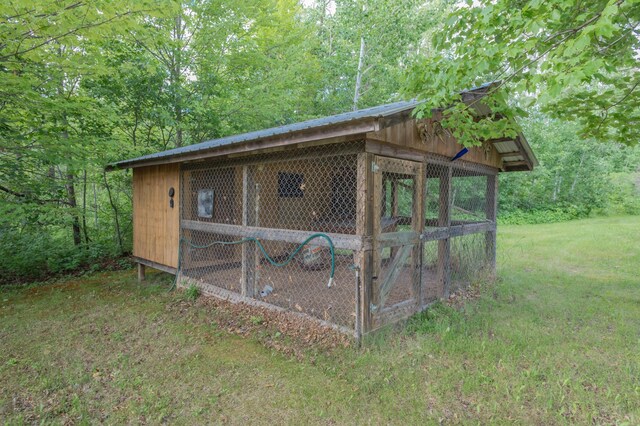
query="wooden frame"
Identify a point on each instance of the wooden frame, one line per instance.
(395, 151)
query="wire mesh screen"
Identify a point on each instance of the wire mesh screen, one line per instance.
(245, 223)
(469, 260)
(459, 231)
(431, 285)
(468, 198)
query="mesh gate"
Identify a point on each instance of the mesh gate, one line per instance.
(279, 198)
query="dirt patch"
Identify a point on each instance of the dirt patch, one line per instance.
(283, 331)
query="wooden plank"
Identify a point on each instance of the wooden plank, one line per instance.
(364, 229)
(400, 238)
(406, 135)
(378, 200)
(386, 285)
(340, 241)
(441, 233)
(154, 265)
(393, 314)
(418, 211)
(383, 148)
(141, 272)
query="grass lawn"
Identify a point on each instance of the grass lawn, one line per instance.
(555, 340)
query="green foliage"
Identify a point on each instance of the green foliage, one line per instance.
(192, 292)
(439, 320)
(257, 320)
(551, 215)
(576, 177)
(577, 59)
(87, 84)
(624, 197)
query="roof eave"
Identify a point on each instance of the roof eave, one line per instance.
(352, 128)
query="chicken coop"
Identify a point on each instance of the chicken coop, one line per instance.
(357, 220)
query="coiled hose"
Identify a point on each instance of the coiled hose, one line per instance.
(264, 252)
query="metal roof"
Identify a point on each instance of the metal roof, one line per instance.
(362, 114)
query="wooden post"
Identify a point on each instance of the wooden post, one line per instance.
(377, 205)
(247, 285)
(492, 210)
(364, 227)
(417, 221)
(444, 245)
(141, 272)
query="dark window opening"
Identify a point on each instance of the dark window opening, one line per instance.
(290, 185)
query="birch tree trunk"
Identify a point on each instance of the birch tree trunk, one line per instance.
(356, 95)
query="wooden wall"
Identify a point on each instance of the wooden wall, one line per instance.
(156, 230)
(427, 136)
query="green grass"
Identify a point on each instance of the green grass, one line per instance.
(555, 340)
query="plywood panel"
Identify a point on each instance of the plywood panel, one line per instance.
(408, 135)
(155, 224)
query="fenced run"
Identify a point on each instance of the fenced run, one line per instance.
(245, 225)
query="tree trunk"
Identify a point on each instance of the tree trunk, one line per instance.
(577, 175)
(115, 213)
(84, 207)
(71, 199)
(356, 95)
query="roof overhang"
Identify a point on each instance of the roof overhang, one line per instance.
(515, 152)
(341, 127)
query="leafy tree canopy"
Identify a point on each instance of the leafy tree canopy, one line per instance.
(577, 59)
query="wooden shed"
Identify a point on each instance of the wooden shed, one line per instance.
(394, 221)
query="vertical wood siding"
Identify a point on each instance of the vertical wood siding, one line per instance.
(155, 224)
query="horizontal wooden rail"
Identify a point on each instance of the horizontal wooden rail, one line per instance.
(340, 241)
(442, 233)
(393, 239)
(154, 265)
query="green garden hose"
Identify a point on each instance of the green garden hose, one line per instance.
(264, 252)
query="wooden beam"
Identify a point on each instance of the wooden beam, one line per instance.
(141, 272)
(418, 212)
(364, 229)
(340, 241)
(154, 265)
(441, 233)
(393, 314)
(387, 149)
(400, 238)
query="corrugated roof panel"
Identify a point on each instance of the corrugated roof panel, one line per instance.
(506, 146)
(378, 111)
